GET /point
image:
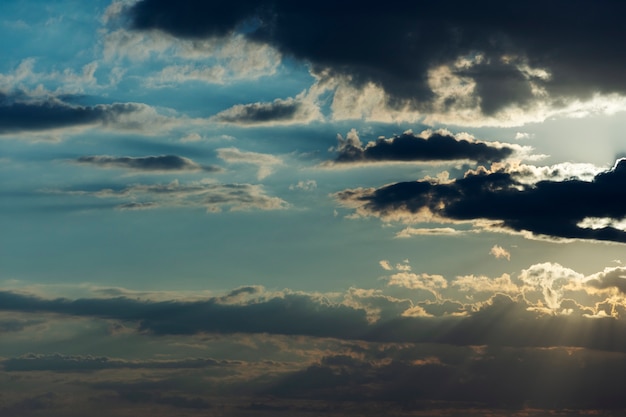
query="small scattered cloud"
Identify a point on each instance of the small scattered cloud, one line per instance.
(385, 265)
(306, 185)
(523, 135)
(500, 253)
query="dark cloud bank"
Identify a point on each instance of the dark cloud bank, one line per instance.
(572, 43)
(550, 208)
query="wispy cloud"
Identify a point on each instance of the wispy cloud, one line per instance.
(210, 196)
(266, 163)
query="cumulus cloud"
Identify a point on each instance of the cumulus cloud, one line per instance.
(210, 196)
(161, 163)
(556, 209)
(448, 62)
(428, 146)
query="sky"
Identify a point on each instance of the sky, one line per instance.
(278, 208)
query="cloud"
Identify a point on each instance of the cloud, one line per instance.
(21, 112)
(210, 196)
(447, 62)
(556, 209)
(428, 282)
(219, 62)
(266, 163)
(16, 325)
(68, 363)
(473, 284)
(609, 278)
(434, 231)
(385, 265)
(499, 252)
(299, 110)
(308, 185)
(469, 310)
(161, 163)
(550, 279)
(495, 381)
(24, 77)
(426, 147)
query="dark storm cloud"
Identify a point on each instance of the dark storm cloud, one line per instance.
(146, 163)
(20, 113)
(396, 45)
(412, 147)
(550, 208)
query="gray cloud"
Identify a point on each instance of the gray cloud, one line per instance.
(559, 209)
(147, 163)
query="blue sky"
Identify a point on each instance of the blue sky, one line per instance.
(263, 208)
